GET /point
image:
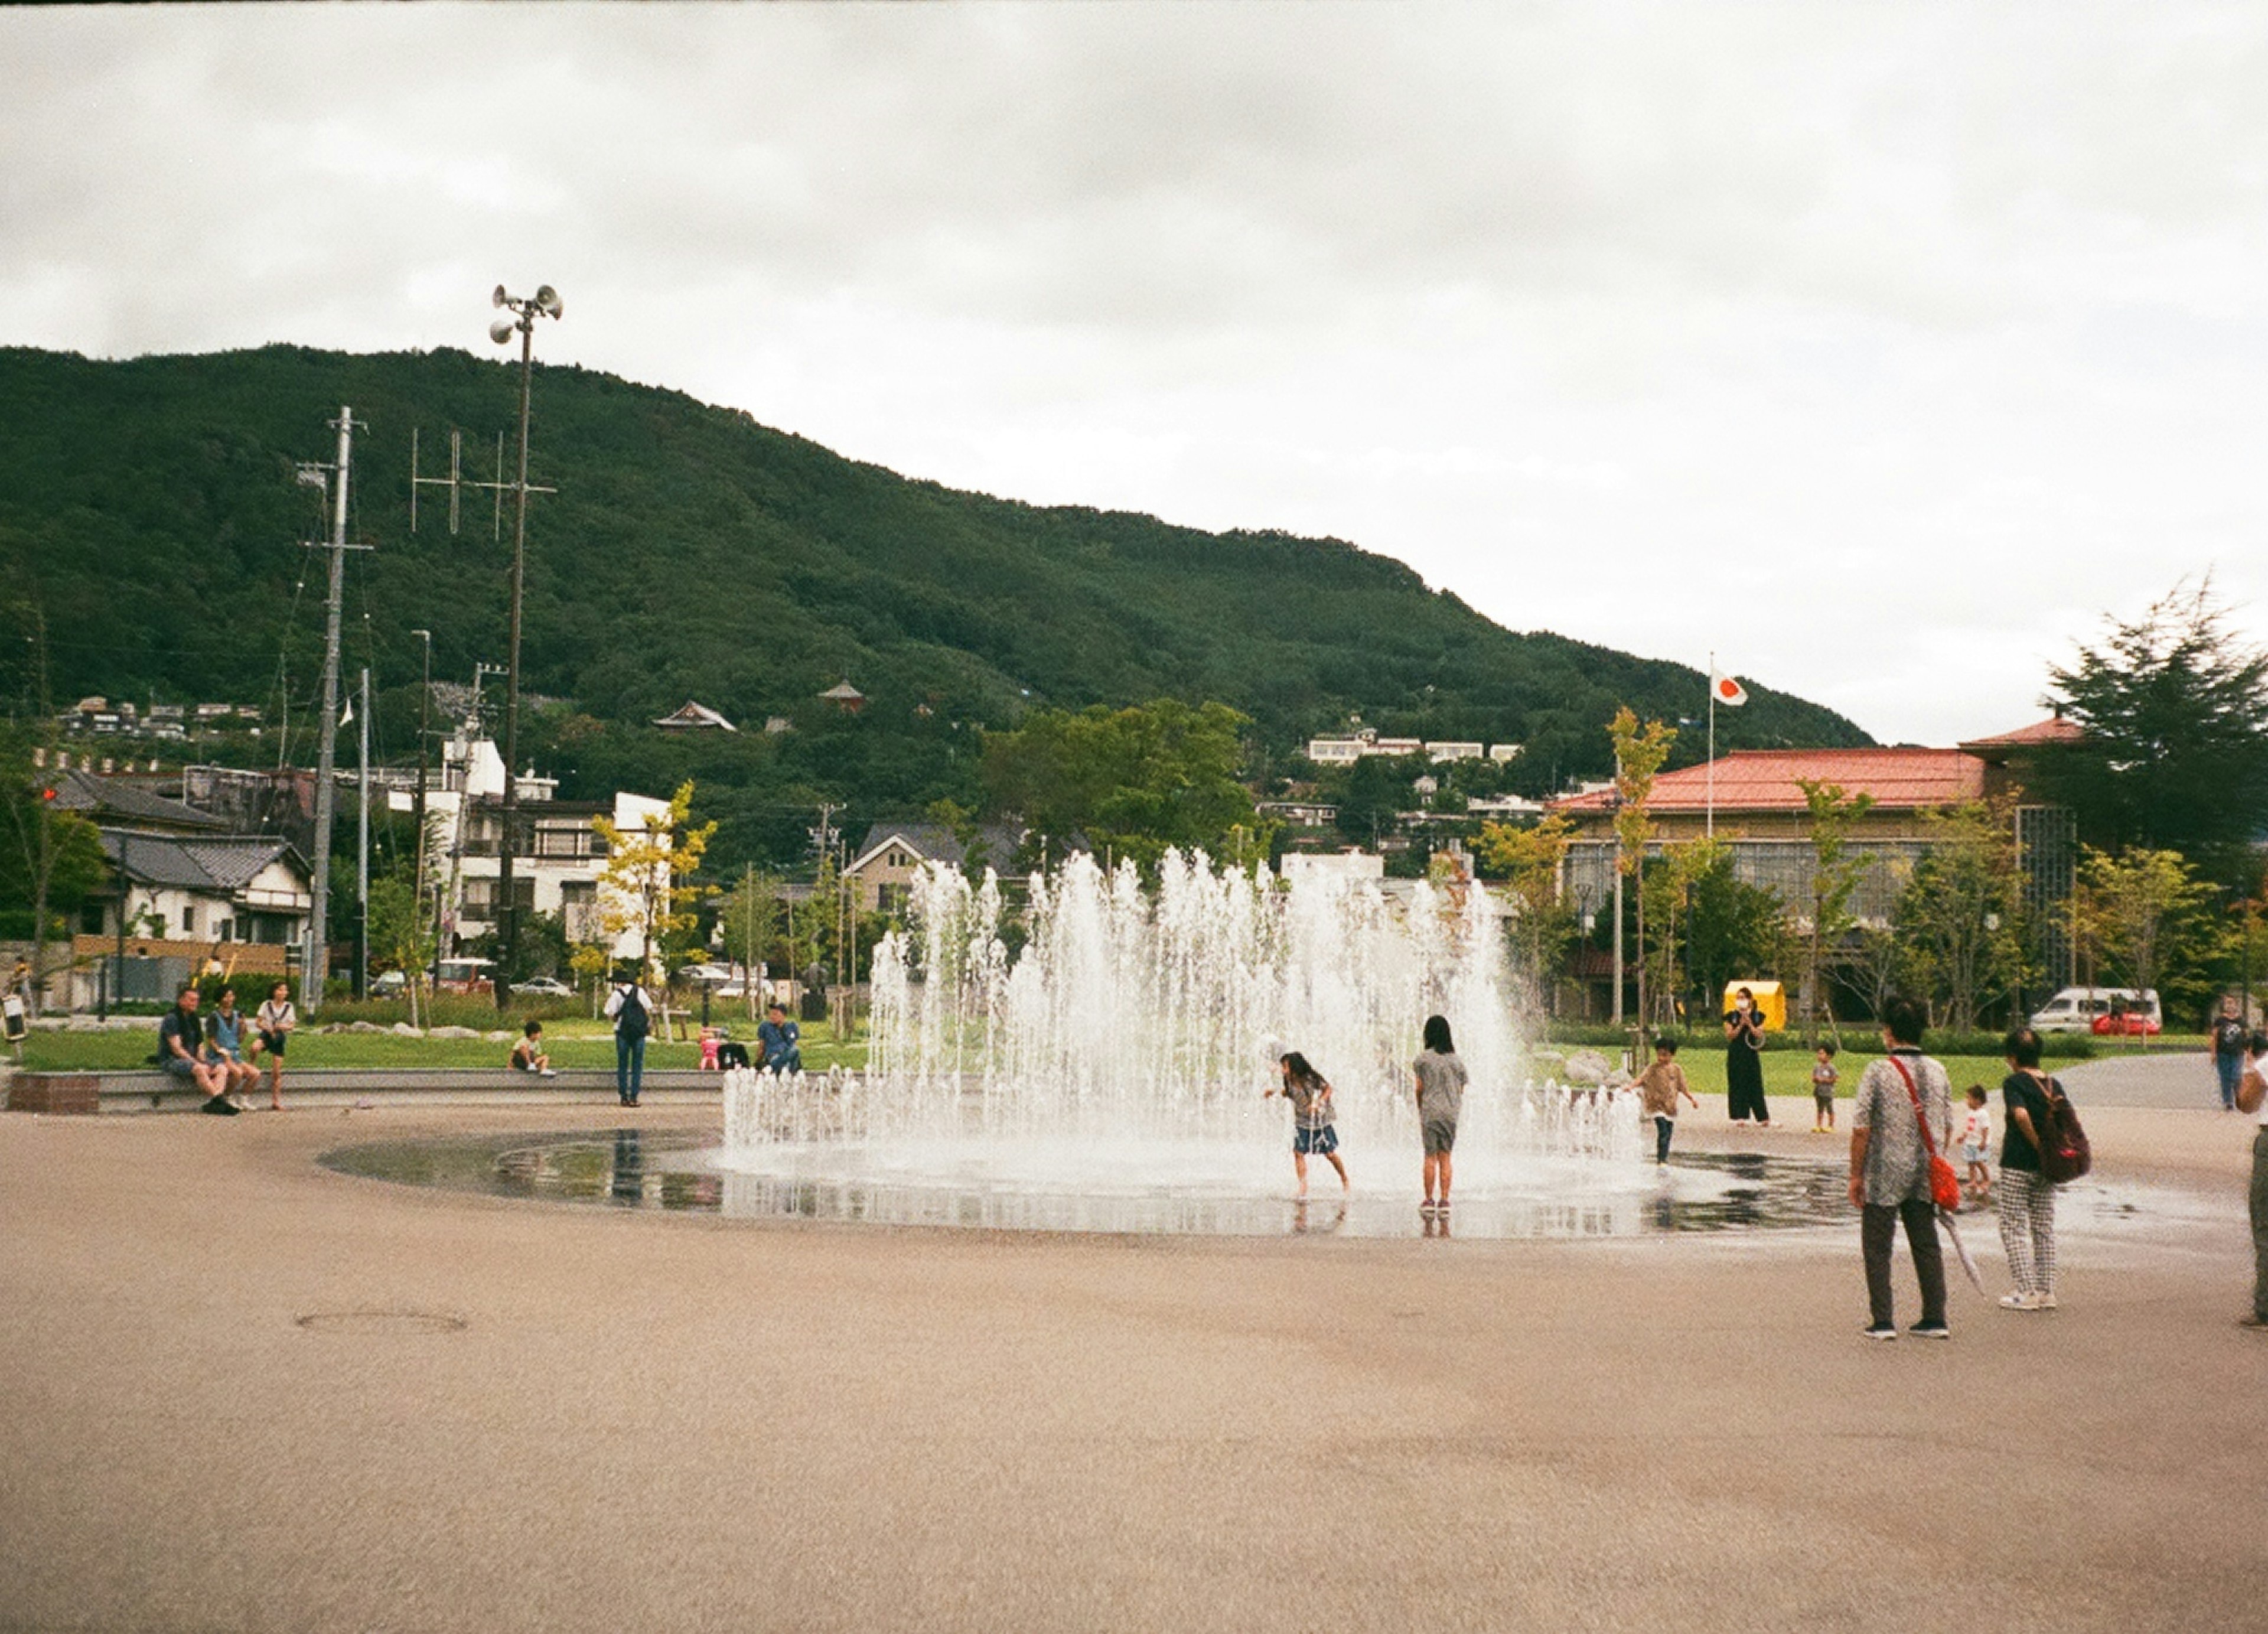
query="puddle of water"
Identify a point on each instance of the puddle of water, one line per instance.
(682, 1171)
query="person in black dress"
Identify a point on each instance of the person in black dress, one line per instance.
(1744, 1066)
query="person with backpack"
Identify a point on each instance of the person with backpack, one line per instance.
(1890, 1180)
(2027, 1195)
(630, 1008)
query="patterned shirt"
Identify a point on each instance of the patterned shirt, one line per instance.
(1897, 1164)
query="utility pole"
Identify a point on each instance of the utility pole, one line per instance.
(545, 301)
(425, 760)
(315, 965)
(362, 855)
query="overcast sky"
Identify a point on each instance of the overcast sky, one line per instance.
(1881, 348)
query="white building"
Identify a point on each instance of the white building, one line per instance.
(1365, 741)
(555, 871)
(1351, 865)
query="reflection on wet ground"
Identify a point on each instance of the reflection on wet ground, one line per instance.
(676, 1170)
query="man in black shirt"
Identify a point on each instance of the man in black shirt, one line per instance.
(181, 1052)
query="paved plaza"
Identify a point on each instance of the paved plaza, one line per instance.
(244, 1392)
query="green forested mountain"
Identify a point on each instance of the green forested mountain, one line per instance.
(148, 508)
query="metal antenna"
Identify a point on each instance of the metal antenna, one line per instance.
(457, 482)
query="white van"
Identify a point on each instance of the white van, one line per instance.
(2074, 1009)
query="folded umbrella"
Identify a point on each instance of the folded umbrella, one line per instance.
(1960, 1248)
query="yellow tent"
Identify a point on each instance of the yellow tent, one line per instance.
(1771, 1001)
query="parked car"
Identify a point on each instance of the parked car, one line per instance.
(544, 987)
(2126, 1024)
(464, 976)
(388, 984)
(2091, 1010)
(706, 975)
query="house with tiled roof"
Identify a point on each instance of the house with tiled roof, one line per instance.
(222, 888)
(108, 801)
(892, 853)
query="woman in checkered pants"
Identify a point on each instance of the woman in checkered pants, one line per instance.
(2024, 1196)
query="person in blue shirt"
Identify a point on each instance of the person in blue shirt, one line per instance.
(780, 1038)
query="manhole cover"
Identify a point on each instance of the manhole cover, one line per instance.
(380, 1321)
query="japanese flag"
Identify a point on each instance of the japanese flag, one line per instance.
(1727, 691)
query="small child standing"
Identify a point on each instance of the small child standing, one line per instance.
(1976, 1143)
(1658, 1086)
(1823, 1092)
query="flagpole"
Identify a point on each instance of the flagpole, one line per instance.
(1709, 777)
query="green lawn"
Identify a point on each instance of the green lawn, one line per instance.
(570, 1043)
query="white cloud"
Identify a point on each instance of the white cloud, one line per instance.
(1876, 348)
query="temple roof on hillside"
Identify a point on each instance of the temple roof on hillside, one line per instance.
(1767, 780)
(696, 717)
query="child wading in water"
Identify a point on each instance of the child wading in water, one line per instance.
(1823, 1092)
(1976, 1143)
(1658, 1086)
(1310, 1095)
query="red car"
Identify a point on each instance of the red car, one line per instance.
(2127, 1024)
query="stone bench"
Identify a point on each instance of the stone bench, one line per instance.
(145, 1089)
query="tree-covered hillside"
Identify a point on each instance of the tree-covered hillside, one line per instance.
(149, 507)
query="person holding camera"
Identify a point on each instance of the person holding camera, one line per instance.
(1744, 1063)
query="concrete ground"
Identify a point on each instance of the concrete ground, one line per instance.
(511, 1415)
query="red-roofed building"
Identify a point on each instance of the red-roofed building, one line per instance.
(1759, 812)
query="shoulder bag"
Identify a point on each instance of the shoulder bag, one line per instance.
(1944, 1184)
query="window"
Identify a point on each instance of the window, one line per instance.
(189, 920)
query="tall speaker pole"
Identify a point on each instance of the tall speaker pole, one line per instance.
(545, 301)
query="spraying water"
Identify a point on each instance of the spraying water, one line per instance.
(1124, 1047)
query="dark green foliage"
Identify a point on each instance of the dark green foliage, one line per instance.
(2175, 706)
(150, 505)
(1131, 782)
(1732, 929)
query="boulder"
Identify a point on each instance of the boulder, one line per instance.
(1588, 1067)
(451, 1032)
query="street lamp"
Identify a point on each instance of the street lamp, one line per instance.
(545, 302)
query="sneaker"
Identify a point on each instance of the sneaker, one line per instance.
(1880, 1331)
(2044, 1301)
(1930, 1330)
(219, 1107)
(2020, 1301)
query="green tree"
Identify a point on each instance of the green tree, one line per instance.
(749, 919)
(646, 887)
(1961, 916)
(401, 932)
(2147, 915)
(1733, 930)
(1640, 751)
(1541, 926)
(1133, 782)
(2173, 707)
(1834, 875)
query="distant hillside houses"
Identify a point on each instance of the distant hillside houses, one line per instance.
(1360, 745)
(98, 717)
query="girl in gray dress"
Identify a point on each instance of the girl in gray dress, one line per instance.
(1441, 1096)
